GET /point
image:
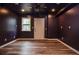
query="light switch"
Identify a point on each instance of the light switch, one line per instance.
(69, 27)
(61, 27)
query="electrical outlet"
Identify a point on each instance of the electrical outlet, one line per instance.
(14, 37)
(16, 25)
(61, 27)
(62, 38)
(5, 39)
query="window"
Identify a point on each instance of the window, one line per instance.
(26, 24)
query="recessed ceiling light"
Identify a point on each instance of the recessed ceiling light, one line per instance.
(3, 11)
(22, 10)
(53, 10)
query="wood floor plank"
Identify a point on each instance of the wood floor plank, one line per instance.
(36, 47)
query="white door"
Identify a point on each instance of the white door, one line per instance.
(39, 28)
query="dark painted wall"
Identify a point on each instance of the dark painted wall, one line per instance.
(25, 34)
(51, 27)
(7, 27)
(69, 27)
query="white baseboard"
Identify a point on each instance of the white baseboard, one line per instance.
(53, 39)
(36, 39)
(7, 44)
(25, 38)
(76, 51)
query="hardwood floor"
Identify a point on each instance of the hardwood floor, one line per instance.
(36, 47)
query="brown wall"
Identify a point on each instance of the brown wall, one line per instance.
(7, 27)
(51, 27)
(70, 19)
(26, 34)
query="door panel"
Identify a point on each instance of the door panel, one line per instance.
(39, 28)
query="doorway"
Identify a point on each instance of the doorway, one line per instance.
(39, 28)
